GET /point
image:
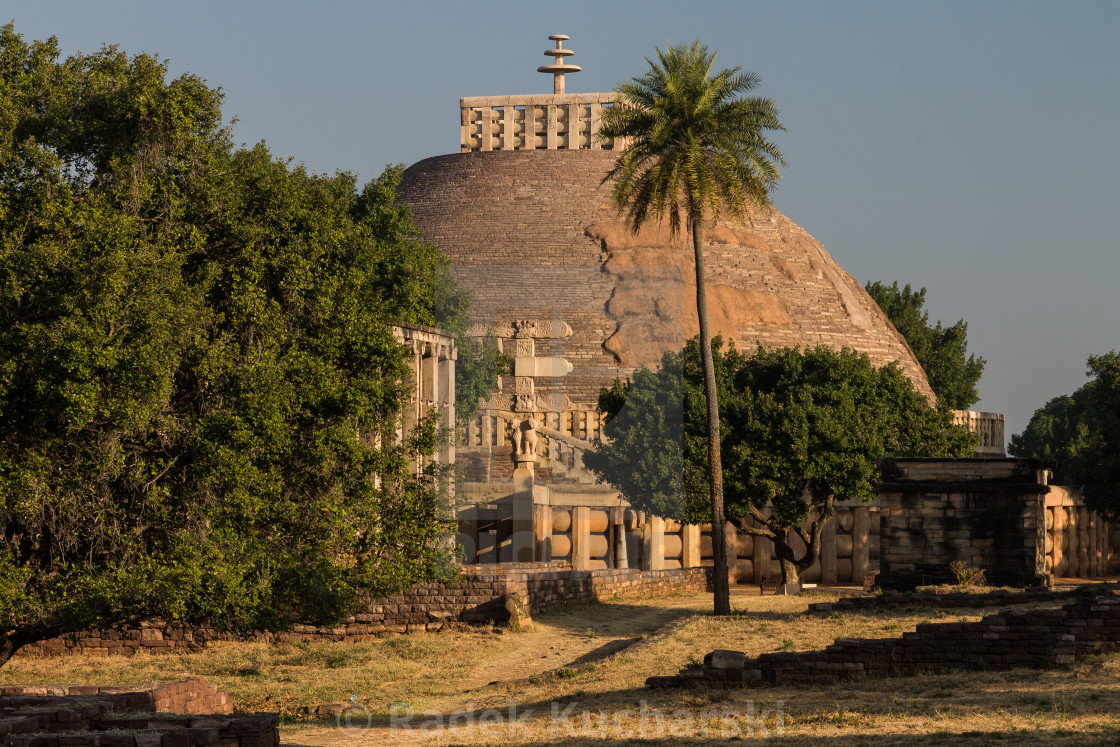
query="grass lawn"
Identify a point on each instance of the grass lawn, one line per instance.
(598, 656)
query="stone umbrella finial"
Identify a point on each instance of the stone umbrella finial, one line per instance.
(558, 69)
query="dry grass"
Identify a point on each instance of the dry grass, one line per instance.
(449, 674)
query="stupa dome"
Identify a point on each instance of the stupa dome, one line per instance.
(534, 236)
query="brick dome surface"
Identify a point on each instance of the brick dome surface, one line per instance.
(532, 235)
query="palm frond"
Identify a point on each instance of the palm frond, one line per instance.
(696, 145)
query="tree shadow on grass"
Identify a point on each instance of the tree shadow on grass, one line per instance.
(778, 715)
(629, 618)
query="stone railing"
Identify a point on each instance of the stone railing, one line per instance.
(1079, 542)
(534, 122)
(575, 428)
(987, 425)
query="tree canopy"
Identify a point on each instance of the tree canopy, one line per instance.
(199, 387)
(1058, 430)
(803, 428)
(941, 351)
(1081, 432)
(694, 144)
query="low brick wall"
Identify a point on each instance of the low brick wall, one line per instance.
(156, 715)
(479, 596)
(551, 589)
(952, 599)
(1011, 638)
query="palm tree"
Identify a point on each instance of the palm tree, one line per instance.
(695, 147)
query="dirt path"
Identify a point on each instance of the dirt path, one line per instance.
(568, 638)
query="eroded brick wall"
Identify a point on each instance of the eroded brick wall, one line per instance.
(1011, 638)
(172, 714)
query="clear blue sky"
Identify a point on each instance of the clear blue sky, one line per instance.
(969, 147)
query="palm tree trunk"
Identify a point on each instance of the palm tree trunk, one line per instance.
(720, 584)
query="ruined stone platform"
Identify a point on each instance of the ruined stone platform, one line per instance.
(174, 714)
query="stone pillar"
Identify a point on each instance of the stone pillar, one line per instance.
(465, 129)
(828, 550)
(1092, 549)
(503, 530)
(581, 537)
(486, 139)
(1071, 541)
(573, 126)
(593, 122)
(524, 538)
(1082, 542)
(508, 137)
(653, 544)
(412, 409)
(488, 535)
(523, 477)
(429, 374)
(447, 399)
(469, 521)
(731, 551)
(690, 538)
(861, 530)
(1058, 533)
(761, 559)
(542, 529)
(1102, 547)
(553, 140)
(1106, 547)
(618, 521)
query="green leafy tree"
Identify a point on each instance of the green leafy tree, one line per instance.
(1081, 432)
(481, 364)
(941, 351)
(695, 147)
(199, 387)
(413, 277)
(801, 428)
(1097, 468)
(1058, 430)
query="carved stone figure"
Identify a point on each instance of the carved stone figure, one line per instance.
(529, 435)
(523, 402)
(524, 328)
(523, 434)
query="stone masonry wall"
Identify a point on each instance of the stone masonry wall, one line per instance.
(480, 596)
(985, 513)
(551, 590)
(1011, 638)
